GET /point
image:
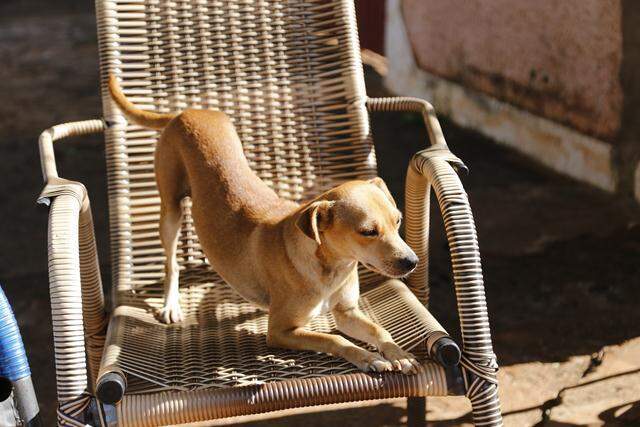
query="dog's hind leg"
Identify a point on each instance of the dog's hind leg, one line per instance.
(170, 219)
(170, 178)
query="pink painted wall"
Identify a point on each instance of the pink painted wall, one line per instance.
(558, 59)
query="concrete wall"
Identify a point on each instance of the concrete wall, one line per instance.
(558, 59)
(554, 79)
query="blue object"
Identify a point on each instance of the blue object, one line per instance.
(13, 359)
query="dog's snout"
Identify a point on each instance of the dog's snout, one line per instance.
(407, 263)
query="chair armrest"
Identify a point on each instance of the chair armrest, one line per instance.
(417, 192)
(55, 133)
(412, 105)
(77, 301)
(434, 170)
(436, 167)
(479, 365)
(438, 144)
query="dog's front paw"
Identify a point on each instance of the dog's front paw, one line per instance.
(368, 361)
(400, 360)
(171, 312)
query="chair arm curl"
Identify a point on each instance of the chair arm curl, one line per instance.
(417, 200)
(77, 301)
(412, 105)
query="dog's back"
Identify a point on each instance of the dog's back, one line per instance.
(200, 154)
(210, 157)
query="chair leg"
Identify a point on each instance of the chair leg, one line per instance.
(485, 405)
(416, 411)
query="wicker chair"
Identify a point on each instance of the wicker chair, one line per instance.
(290, 76)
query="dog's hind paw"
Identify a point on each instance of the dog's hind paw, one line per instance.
(171, 313)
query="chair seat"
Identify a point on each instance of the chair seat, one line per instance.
(221, 343)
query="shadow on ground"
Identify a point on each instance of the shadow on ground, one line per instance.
(560, 258)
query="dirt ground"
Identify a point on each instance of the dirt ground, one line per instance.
(560, 258)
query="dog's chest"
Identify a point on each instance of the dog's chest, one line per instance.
(332, 287)
(322, 307)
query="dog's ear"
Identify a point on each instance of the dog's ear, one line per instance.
(378, 182)
(315, 218)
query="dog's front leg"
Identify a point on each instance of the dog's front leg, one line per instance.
(353, 322)
(298, 338)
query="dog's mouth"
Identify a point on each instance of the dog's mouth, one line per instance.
(386, 273)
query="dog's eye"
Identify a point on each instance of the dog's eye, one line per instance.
(369, 232)
(399, 220)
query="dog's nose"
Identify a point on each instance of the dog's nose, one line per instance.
(407, 263)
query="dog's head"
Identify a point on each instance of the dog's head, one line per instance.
(360, 220)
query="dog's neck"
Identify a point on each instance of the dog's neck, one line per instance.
(317, 263)
(329, 260)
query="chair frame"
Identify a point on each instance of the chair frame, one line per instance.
(80, 317)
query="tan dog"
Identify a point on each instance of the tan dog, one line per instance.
(296, 261)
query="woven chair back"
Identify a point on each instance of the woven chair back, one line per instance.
(289, 75)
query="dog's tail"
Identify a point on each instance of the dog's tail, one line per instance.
(140, 117)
